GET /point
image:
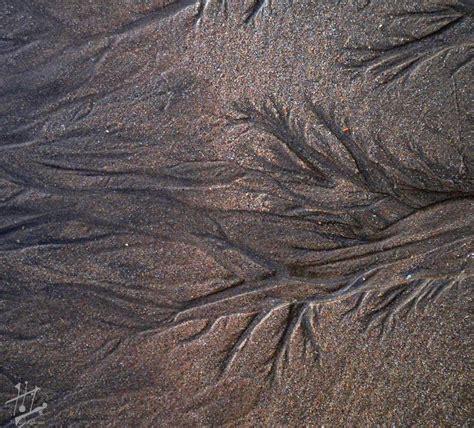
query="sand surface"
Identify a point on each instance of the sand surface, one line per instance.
(236, 213)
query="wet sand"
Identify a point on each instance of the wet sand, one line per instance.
(236, 213)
